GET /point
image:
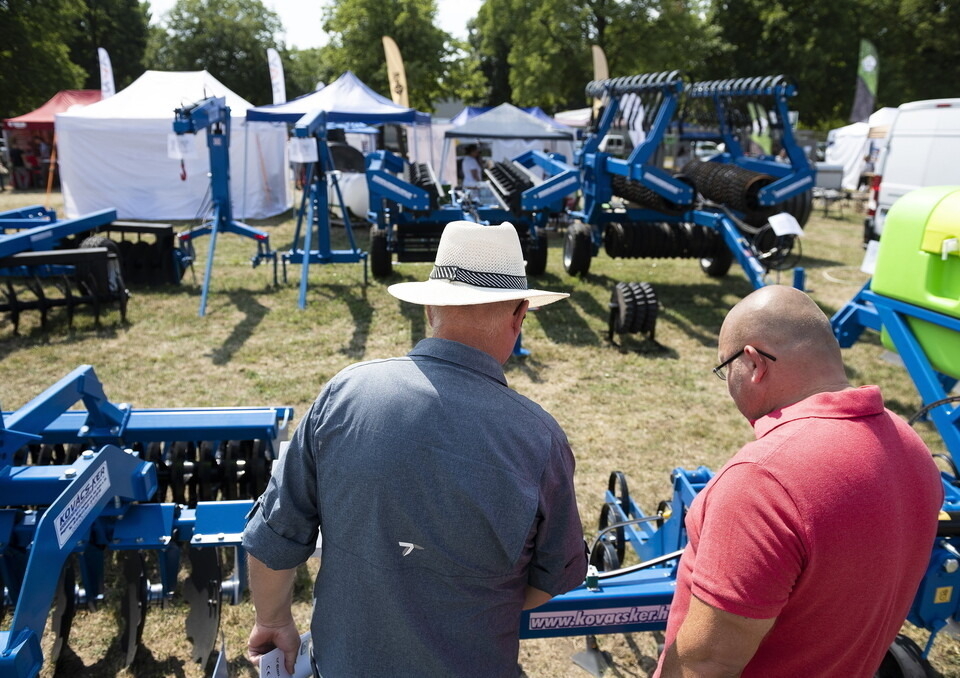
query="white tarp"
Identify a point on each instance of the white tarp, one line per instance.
(856, 146)
(847, 147)
(113, 154)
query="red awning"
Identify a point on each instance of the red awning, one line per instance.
(42, 118)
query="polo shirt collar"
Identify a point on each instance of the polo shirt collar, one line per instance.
(460, 354)
(847, 404)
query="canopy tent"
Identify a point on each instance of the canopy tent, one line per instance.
(348, 102)
(115, 154)
(471, 112)
(513, 132)
(855, 147)
(577, 117)
(31, 135)
(347, 99)
(43, 117)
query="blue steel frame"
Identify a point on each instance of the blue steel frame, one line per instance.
(638, 598)
(314, 205)
(667, 88)
(213, 114)
(938, 599)
(388, 193)
(89, 505)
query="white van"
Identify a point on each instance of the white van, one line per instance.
(923, 149)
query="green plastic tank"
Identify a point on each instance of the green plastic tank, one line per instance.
(919, 263)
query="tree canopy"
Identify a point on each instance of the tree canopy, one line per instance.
(527, 52)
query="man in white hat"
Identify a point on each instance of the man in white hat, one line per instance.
(445, 499)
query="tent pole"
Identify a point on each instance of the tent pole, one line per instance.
(50, 169)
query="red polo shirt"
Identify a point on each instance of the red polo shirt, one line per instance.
(825, 522)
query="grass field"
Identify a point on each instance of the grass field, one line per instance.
(636, 406)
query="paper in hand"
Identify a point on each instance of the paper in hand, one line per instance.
(271, 664)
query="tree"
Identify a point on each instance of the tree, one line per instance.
(431, 57)
(228, 38)
(120, 27)
(34, 58)
(542, 56)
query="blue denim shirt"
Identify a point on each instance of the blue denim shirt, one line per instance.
(441, 495)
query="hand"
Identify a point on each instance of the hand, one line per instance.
(264, 638)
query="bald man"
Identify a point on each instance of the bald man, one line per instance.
(807, 547)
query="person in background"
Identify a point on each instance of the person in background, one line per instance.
(444, 499)
(472, 169)
(830, 514)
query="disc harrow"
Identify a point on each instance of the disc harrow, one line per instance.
(136, 493)
(641, 206)
(44, 269)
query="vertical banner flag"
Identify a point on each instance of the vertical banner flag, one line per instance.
(276, 76)
(396, 73)
(866, 94)
(106, 74)
(600, 72)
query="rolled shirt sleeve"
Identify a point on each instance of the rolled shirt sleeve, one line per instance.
(559, 560)
(283, 525)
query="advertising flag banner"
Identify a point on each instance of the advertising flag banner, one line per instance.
(276, 76)
(865, 97)
(106, 74)
(396, 73)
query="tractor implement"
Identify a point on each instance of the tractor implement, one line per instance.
(84, 491)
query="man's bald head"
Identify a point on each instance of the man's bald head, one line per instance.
(788, 324)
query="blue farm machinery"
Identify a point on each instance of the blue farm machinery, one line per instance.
(109, 487)
(913, 300)
(409, 208)
(740, 204)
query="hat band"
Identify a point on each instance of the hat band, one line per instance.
(479, 278)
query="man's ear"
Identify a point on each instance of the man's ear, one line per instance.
(760, 363)
(519, 314)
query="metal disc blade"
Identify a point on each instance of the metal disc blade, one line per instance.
(201, 590)
(133, 605)
(64, 607)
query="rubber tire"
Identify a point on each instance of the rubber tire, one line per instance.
(719, 264)
(577, 249)
(537, 256)
(904, 659)
(107, 281)
(381, 264)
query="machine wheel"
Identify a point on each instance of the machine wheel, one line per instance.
(102, 281)
(380, 263)
(717, 265)
(617, 536)
(904, 660)
(604, 557)
(537, 256)
(577, 249)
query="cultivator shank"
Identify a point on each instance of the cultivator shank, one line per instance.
(77, 485)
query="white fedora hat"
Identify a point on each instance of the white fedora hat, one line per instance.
(475, 264)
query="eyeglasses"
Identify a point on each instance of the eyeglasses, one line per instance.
(721, 369)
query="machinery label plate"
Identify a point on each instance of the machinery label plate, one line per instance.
(83, 502)
(634, 614)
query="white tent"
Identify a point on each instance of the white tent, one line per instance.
(512, 132)
(115, 154)
(855, 146)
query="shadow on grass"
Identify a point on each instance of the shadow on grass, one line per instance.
(698, 309)
(254, 313)
(145, 665)
(355, 298)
